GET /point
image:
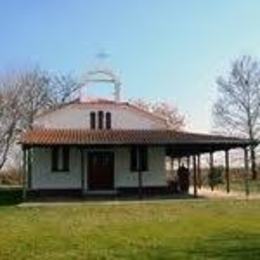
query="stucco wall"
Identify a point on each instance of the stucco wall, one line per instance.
(156, 175)
(44, 178)
(77, 116)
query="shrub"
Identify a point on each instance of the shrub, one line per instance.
(215, 177)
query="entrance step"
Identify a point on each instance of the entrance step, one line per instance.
(101, 192)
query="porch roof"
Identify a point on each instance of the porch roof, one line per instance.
(169, 138)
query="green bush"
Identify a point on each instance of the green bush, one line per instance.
(215, 177)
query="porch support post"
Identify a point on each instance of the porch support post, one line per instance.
(172, 166)
(227, 175)
(199, 172)
(25, 174)
(140, 184)
(140, 175)
(29, 170)
(179, 162)
(246, 171)
(188, 162)
(195, 192)
(82, 161)
(211, 161)
(211, 166)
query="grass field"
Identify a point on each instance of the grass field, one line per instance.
(155, 230)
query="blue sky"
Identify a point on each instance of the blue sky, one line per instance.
(165, 50)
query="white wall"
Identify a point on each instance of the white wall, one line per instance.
(156, 176)
(44, 178)
(77, 116)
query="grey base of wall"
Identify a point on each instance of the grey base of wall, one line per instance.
(120, 192)
(155, 190)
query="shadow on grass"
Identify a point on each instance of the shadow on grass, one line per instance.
(10, 196)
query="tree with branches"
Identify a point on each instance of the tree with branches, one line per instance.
(9, 117)
(165, 110)
(43, 91)
(237, 109)
(25, 94)
(63, 89)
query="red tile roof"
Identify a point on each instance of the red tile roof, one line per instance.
(121, 137)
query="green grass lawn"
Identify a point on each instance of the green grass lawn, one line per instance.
(165, 230)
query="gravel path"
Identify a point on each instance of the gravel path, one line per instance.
(220, 194)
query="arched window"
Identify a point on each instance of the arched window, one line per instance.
(100, 119)
(108, 120)
(92, 120)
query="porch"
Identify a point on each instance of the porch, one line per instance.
(118, 144)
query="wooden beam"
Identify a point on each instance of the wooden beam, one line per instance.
(83, 173)
(195, 192)
(246, 177)
(24, 173)
(227, 175)
(199, 172)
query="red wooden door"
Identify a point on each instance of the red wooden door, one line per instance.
(100, 170)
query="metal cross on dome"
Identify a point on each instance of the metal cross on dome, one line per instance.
(102, 55)
(104, 75)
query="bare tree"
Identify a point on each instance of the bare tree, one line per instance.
(41, 91)
(9, 117)
(24, 95)
(64, 88)
(165, 110)
(35, 94)
(237, 109)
